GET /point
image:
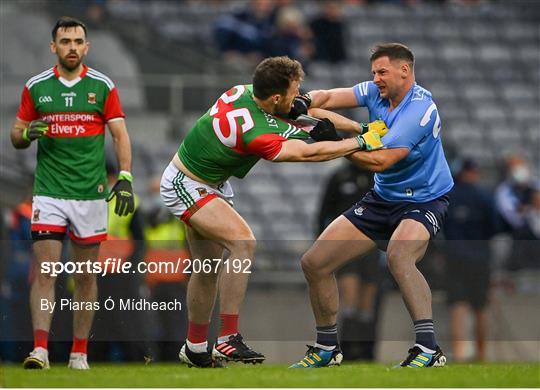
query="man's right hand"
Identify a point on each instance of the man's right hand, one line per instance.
(324, 131)
(36, 129)
(369, 141)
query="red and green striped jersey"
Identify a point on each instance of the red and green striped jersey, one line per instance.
(233, 135)
(71, 157)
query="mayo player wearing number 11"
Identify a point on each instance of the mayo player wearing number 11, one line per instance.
(243, 126)
(64, 110)
(399, 215)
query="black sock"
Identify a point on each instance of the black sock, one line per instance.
(425, 334)
(327, 335)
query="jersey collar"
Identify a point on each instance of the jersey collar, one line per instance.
(406, 98)
(70, 83)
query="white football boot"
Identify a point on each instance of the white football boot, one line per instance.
(37, 360)
(77, 361)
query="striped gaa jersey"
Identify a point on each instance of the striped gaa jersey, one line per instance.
(71, 156)
(233, 135)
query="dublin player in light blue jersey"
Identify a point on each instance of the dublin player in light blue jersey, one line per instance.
(403, 211)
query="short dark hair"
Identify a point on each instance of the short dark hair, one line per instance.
(394, 51)
(67, 22)
(274, 75)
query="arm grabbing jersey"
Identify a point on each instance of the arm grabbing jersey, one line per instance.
(414, 124)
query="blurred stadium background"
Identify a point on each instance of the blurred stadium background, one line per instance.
(480, 59)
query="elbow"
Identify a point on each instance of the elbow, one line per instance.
(377, 168)
(322, 99)
(18, 144)
(380, 165)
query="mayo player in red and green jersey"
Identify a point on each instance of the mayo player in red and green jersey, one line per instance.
(65, 109)
(242, 127)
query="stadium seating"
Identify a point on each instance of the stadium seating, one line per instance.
(481, 63)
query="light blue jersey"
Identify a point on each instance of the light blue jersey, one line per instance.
(415, 124)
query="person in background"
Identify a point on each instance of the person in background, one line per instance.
(121, 335)
(165, 237)
(292, 37)
(16, 276)
(245, 34)
(513, 198)
(329, 33)
(470, 224)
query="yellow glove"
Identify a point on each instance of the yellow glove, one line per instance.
(377, 126)
(369, 141)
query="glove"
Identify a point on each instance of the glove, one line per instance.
(324, 131)
(123, 191)
(36, 129)
(377, 126)
(369, 141)
(300, 106)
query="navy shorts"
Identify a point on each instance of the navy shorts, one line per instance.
(377, 218)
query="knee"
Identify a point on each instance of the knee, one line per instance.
(45, 279)
(246, 244)
(311, 265)
(398, 264)
(84, 279)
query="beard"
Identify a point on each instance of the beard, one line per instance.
(283, 111)
(69, 66)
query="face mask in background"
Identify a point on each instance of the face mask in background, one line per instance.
(520, 174)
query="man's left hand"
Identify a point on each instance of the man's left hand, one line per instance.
(123, 191)
(300, 106)
(377, 126)
(324, 131)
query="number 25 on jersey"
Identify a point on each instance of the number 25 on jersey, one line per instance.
(225, 123)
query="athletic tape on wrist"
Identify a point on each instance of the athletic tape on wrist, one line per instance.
(125, 175)
(360, 141)
(25, 135)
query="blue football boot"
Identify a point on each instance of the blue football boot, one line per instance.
(317, 357)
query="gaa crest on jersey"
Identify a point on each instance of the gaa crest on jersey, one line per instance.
(359, 211)
(45, 99)
(35, 218)
(100, 188)
(91, 98)
(202, 191)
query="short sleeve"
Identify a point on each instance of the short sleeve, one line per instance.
(27, 111)
(412, 126)
(113, 108)
(365, 93)
(267, 146)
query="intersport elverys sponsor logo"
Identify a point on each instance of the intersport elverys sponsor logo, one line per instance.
(72, 124)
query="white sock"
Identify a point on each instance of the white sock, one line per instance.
(326, 347)
(222, 339)
(424, 349)
(197, 348)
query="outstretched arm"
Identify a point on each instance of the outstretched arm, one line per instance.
(340, 122)
(332, 99)
(296, 150)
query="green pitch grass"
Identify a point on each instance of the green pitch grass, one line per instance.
(348, 375)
